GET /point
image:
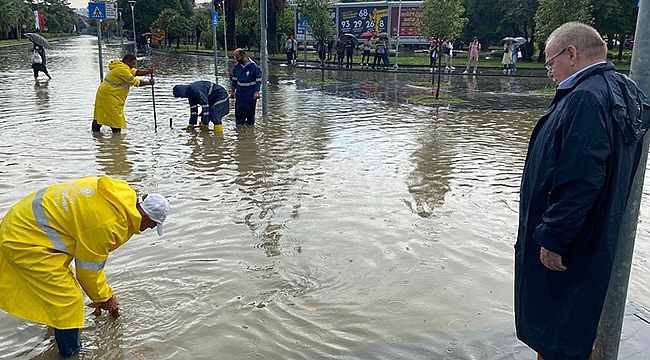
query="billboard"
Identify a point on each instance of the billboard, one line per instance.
(359, 19)
(407, 29)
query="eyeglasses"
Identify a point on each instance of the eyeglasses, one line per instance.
(547, 64)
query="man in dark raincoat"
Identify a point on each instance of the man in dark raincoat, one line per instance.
(578, 173)
(211, 97)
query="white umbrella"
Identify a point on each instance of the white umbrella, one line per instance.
(520, 40)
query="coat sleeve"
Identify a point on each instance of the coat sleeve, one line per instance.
(258, 78)
(201, 97)
(129, 77)
(582, 155)
(91, 254)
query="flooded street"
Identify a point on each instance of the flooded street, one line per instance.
(345, 225)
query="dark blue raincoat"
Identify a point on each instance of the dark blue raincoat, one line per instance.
(211, 97)
(577, 177)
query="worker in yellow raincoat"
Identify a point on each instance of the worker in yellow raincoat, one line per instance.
(81, 220)
(112, 92)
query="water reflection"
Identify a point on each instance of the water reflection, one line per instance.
(111, 154)
(42, 92)
(428, 182)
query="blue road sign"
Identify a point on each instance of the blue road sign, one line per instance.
(215, 18)
(97, 11)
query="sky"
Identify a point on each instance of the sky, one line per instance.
(84, 3)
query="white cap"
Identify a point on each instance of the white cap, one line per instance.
(157, 208)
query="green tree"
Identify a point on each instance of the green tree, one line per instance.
(615, 18)
(232, 8)
(553, 13)
(520, 15)
(201, 21)
(248, 25)
(275, 10)
(441, 18)
(320, 24)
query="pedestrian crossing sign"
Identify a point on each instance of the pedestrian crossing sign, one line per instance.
(97, 11)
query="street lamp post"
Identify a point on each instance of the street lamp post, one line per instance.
(121, 27)
(135, 42)
(399, 23)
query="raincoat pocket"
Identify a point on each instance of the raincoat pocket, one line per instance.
(36, 58)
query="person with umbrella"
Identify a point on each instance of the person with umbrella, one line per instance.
(39, 60)
(112, 93)
(506, 60)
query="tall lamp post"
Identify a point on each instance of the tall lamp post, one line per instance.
(399, 23)
(121, 23)
(135, 42)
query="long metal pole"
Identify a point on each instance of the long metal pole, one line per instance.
(121, 31)
(135, 42)
(264, 56)
(214, 42)
(99, 45)
(225, 38)
(399, 23)
(611, 319)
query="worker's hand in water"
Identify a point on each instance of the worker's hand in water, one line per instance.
(112, 306)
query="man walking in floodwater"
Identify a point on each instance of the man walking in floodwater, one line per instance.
(577, 177)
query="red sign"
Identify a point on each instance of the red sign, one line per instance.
(407, 29)
(41, 19)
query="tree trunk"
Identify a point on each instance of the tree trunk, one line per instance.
(621, 46)
(230, 35)
(610, 40)
(272, 31)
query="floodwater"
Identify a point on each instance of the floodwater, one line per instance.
(345, 225)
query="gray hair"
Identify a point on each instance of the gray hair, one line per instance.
(585, 38)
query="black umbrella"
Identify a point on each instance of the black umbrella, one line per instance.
(347, 36)
(38, 40)
(384, 35)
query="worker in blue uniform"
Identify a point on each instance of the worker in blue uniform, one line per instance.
(246, 84)
(211, 97)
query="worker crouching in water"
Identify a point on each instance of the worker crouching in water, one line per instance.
(212, 98)
(81, 220)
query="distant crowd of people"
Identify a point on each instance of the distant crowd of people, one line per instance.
(375, 53)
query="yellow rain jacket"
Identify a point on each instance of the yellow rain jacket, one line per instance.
(84, 220)
(112, 93)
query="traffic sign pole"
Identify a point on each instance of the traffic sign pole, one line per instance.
(97, 11)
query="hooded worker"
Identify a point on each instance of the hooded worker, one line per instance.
(112, 92)
(81, 220)
(212, 98)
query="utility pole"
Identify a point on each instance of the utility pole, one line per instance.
(399, 23)
(135, 42)
(121, 23)
(264, 56)
(215, 22)
(611, 319)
